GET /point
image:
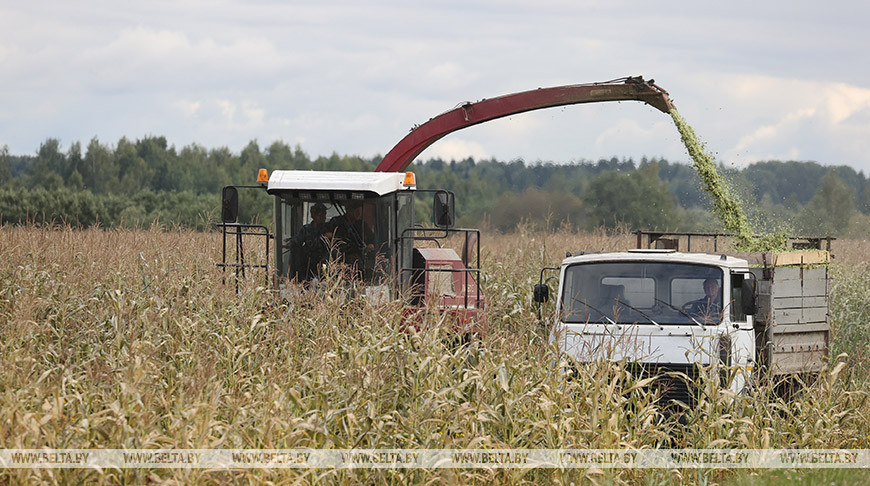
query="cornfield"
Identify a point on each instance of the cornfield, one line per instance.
(128, 339)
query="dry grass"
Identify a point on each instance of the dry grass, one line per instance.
(127, 339)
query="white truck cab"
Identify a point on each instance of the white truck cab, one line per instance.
(657, 307)
(662, 310)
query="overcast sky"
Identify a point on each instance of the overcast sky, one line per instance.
(757, 80)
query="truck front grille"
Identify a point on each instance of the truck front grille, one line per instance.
(674, 383)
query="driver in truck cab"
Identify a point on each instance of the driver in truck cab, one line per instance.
(710, 306)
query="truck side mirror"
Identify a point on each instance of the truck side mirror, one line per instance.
(541, 293)
(749, 297)
(442, 209)
(229, 204)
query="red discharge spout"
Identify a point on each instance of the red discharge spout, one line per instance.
(469, 114)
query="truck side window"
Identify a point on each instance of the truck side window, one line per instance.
(736, 303)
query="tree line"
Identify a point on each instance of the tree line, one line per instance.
(136, 183)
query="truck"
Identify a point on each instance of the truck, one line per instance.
(367, 222)
(668, 313)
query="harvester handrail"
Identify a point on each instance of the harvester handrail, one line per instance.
(653, 236)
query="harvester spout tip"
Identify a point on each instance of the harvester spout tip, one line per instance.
(660, 98)
(651, 93)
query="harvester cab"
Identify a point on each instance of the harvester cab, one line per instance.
(364, 224)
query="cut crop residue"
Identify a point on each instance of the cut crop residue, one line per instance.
(726, 207)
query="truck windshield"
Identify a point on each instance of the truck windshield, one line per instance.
(642, 293)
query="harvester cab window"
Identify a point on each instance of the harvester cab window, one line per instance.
(321, 228)
(304, 248)
(360, 234)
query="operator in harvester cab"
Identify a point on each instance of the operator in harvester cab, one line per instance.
(310, 241)
(708, 307)
(353, 238)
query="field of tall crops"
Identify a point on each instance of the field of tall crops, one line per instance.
(127, 339)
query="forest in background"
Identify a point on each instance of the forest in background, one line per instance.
(137, 183)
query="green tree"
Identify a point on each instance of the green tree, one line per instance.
(636, 198)
(198, 172)
(784, 180)
(49, 165)
(73, 160)
(281, 157)
(75, 181)
(157, 158)
(133, 172)
(538, 208)
(251, 161)
(223, 159)
(5, 167)
(99, 169)
(830, 209)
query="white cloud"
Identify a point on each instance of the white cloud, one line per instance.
(361, 122)
(450, 75)
(628, 132)
(146, 59)
(794, 119)
(228, 109)
(842, 101)
(254, 114)
(188, 107)
(453, 148)
(784, 126)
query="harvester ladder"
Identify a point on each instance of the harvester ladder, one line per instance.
(238, 231)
